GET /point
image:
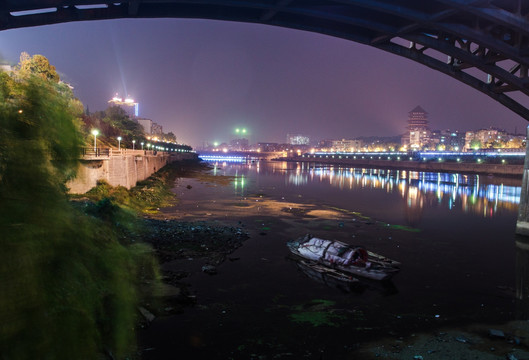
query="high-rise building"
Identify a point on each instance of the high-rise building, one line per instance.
(146, 124)
(156, 129)
(239, 144)
(418, 131)
(149, 126)
(298, 140)
(346, 145)
(129, 105)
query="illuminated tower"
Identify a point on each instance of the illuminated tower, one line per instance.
(418, 134)
(129, 105)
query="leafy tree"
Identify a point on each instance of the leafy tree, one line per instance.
(37, 65)
(515, 143)
(495, 144)
(68, 286)
(113, 122)
(476, 144)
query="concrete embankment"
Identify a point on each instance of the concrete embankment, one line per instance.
(123, 168)
(463, 167)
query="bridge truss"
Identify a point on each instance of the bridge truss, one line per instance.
(482, 43)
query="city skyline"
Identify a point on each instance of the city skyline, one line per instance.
(201, 79)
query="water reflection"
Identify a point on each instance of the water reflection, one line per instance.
(467, 192)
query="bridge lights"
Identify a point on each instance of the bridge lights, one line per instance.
(133, 143)
(95, 132)
(119, 142)
(142, 145)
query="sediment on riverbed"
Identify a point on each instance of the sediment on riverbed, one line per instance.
(265, 220)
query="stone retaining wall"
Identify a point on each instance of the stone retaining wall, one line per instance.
(125, 170)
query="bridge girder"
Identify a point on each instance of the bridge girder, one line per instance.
(482, 43)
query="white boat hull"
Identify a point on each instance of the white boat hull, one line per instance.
(350, 260)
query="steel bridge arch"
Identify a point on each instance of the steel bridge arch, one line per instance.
(482, 43)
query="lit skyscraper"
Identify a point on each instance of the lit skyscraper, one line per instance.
(129, 105)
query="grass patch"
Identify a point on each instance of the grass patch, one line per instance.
(404, 228)
(241, 204)
(345, 211)
(318, 312)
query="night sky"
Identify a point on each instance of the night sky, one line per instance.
(201, 79)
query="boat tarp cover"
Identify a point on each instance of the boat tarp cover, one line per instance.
(333, 252)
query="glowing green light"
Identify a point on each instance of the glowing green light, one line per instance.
(244, 131)
(237, 130)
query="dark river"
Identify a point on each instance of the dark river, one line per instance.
(460, 263)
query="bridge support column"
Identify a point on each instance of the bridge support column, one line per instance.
(522, 225)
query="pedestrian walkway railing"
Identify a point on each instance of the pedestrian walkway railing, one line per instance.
(106, 153)
(96, 153)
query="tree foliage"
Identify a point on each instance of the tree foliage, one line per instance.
(37, 65)
(68, 286)
(114, 122)
(476, 144)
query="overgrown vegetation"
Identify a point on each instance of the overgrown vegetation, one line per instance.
(69, 272)
(111, 123)
(147, 196)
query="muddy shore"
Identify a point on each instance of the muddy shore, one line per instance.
(200, 233)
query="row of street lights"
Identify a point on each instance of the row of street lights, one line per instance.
(95, 132)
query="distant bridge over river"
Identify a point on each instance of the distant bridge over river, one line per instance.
(238, 155)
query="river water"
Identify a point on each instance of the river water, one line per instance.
(453, 233)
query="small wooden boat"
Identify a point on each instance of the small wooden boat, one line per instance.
(344, 258)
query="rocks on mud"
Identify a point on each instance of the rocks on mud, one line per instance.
(209, 269)
(182, 240)
(149, 317)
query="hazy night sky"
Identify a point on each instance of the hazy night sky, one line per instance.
(200, 79)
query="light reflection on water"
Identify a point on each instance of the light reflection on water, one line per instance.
(468, 192)
(447, 272)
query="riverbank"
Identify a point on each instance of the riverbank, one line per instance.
(211, 323)
(430, 166)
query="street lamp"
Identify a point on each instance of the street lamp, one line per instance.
(141, 145)
(119, 142)
(133, 142)
(95, 132)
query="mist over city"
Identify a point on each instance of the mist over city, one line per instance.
(202, 79)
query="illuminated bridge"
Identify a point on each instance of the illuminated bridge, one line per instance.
(482, 43)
